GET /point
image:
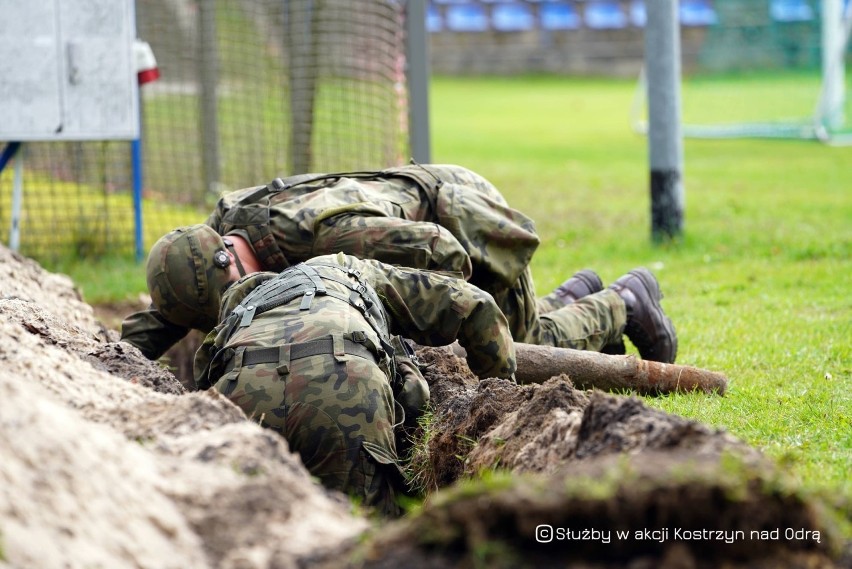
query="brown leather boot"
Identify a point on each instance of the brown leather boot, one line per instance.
(581, 284)
(648, 327)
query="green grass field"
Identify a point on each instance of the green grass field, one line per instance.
(759, 287)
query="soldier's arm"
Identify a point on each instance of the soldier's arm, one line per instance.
(391, 240)
(149, 331)
(434, 310)
(202, 360)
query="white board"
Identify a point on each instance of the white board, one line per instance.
(67, 70)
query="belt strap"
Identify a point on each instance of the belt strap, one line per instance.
(301, 350)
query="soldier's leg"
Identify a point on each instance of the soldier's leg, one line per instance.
(590, 323)
(524, 311)
(340, 419)
(630, 306)
(582, 283)
(338, 416)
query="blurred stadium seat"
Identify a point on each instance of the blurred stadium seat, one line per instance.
(691, 13)
(466, 18)
(697, 13)
(791, 11)
(638, 14)
(605, 15)
(512, 17)
(559, 16)
(434, 21)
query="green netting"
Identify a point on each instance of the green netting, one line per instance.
(259, 89)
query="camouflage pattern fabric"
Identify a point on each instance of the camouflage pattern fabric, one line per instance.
(589, 323)
(444, 218)
(438, 217)
(429, 308)
(337, 410)
(185, 285)
(149, 331)
(338, 415)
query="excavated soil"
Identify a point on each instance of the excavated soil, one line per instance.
(110, 461)
(543, 428)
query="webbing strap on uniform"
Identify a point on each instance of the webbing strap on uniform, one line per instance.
(316, 347)
(306, 281)
(364, 298)
(291, 283)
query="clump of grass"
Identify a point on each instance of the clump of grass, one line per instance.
(420, 476)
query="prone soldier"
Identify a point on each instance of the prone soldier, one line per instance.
(313, 353)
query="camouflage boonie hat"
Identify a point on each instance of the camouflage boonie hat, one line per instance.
(184, 281)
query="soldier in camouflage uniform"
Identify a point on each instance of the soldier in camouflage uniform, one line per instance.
(309, 353)
(443, 218)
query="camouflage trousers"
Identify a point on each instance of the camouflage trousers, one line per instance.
(590, 323)
(338, 415)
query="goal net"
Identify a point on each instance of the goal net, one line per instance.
(769, 69)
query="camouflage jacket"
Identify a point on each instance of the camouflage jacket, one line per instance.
(432, 217)
(443, 218)
(430, 308)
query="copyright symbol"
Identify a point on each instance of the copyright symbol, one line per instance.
(544, 533)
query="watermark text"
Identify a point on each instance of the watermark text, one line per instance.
(546, 533)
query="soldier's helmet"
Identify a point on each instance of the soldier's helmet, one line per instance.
(187, 272)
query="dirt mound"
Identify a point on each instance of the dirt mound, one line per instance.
(108, 461)
(104, 465)
(637, 512)
(480, 425)
(586, 462)
(24, 279)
